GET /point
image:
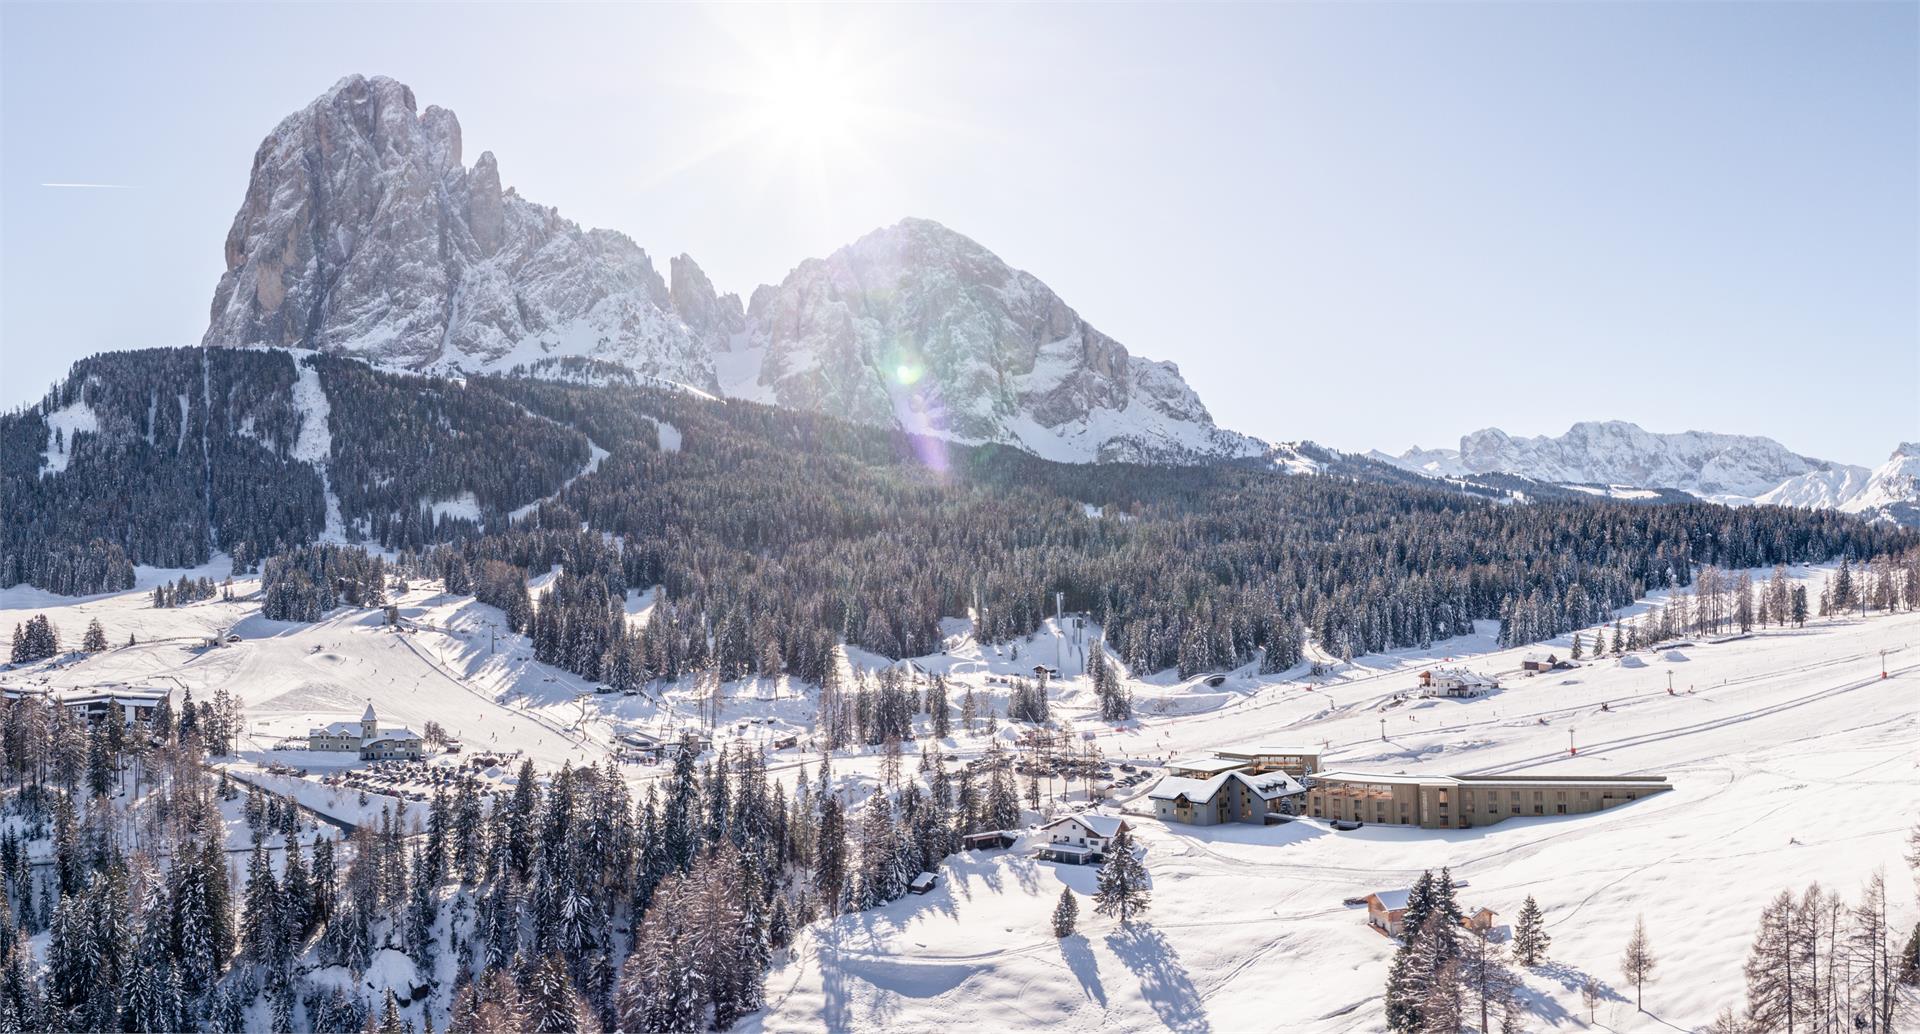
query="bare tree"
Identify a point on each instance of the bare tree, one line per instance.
(1638, 962)
(1590, 997)
(1484, 976)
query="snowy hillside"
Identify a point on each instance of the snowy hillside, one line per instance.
(1792, 761)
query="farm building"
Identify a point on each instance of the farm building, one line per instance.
(1080, 838)
(1231, 796)
(1457, 682)
(1544, 662)
(1387, 909)
(1296, 760)
(1464, 802)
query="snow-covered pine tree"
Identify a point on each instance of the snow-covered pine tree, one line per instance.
(1066, 914)
(1122, 884)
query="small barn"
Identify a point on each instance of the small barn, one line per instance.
(922, 883)
(1544, 662)
(1387, 910)
(992, 840)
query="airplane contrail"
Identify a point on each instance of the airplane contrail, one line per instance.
(91, 186)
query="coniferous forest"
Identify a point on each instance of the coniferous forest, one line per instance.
(774, 532)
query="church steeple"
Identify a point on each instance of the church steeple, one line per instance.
(369, 723)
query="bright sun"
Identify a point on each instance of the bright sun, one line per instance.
(813, 99)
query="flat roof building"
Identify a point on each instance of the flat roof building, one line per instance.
(1298, 760)
(1464, 802)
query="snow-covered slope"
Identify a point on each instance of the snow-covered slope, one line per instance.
(363, 233)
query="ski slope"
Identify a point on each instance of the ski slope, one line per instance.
(1791, 761)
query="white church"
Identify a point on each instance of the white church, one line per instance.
(367, 739)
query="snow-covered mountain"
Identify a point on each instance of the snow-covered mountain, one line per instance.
(363, 233)
(918, 325)
(1719, 467)
(1890, 491)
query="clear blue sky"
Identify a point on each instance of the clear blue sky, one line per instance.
(1370, 225)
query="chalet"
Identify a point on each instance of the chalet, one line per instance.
(1387, 910)
(1295, 759)
(1080, 838)
(1479, 921)
(1544, 662)
(1464, 802)
(922, 883)
(1456, 682)
(1230, 796)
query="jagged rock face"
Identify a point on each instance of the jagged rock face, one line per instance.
(363, 233)
(1619, 453)
(917, 325)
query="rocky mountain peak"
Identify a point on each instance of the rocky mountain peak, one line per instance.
(362, 232)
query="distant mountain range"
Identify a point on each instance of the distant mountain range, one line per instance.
(1617, 458)
(363, 233)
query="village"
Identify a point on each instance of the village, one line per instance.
(1320, 798)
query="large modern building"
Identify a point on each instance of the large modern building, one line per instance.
(366, 738)
(1295, 759)
(124, 703)
(1463, 802)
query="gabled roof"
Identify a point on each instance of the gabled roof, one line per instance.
(1266, 786)
(1102, 825)
(1392, 900)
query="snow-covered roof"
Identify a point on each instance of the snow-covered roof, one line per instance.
(1101, 825)
(925, 879)
(1385, 778)
(1267, 750)
(1392, 900)
(1269, 785)
(1266, 786)
(1172, 787)
(1471, 678)
(369, 716)
(336, 729)
(1204, 764)
(391, 735)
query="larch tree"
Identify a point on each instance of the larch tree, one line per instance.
(1637, 962)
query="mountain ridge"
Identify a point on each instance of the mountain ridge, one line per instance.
(1726, 468)
(362, 233)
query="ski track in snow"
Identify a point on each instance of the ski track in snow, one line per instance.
(314, 445)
